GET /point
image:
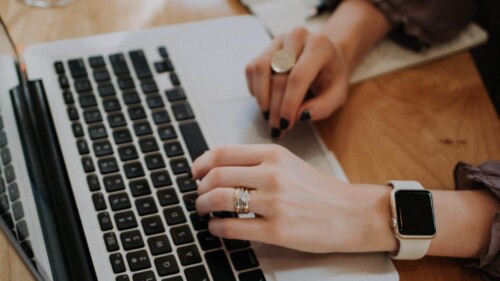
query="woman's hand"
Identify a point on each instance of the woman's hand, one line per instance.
(296, 206)
(320, 68)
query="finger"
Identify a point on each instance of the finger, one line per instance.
(278, 83)
(222, 199)
(235, 155)
(323, 105)
(313, 58)
(241, 229)
(232, 176)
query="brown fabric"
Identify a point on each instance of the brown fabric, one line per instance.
(485, 176)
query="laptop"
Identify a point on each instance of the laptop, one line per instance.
(97, 136)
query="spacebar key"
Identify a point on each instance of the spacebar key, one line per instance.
(194, 139)
(219, 266)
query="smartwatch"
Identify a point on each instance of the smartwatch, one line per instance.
(412, 219)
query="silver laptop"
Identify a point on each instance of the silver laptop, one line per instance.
(97, 137)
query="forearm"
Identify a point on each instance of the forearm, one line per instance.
(355, 27)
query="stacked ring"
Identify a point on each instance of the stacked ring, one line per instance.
(241, 200)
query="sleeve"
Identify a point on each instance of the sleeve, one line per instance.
(418, 24)
(486, 176)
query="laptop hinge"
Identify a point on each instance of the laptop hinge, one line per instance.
(64, 236)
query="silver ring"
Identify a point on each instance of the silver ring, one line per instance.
(283, 60)
(241, 200)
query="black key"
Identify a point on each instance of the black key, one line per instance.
(122, 278)
(161, 117)
(10, 175)
(122, 136)
(101, 76)
(175, 94)
(3, 137)
(146, 206)
(22, 230)
(114, 183)
(103, 148)
(136, 113)
(174, 79)
(149, 87)
(254, 275)
(116, 120)
(96, 61)
(138, 260)
(142, 129)
(199, 222)
(126, 83)
(111, 104)
(68, 97)
(144, 276)
(87, 101)
(155, 102)
(159, 245)
(133, 170)
(194, 139)
(140, 64)
(26, 246)
(73, 114)
(59, 67)
(119, 201)
(218, 265)
(88, 164)
(5, 154)
(63, 82)
(199, 273)
(99, 201)
(2, 186)
(180, 166)
(244, 259)
(98, 132)
(234, 244)
(167, 133)
(189, 255)
(167, 197)
(190, 201)
(161, 179)
(164, 66)
(13, 192)
(148, 145)
(105, 221)
(119, 64)
(17, 210)
(1, 123)
(225, 214)
(108, 165)
(131, 98)
(154, 161)
(152, 225)
(174, 215)
(92, 116)
(182, 111)
(186, 184)
(117, 263)
(93, 182)
(181, 234)
(128, 153)
(77, 129)
(8, 220)
(139, 188)
(83, 86)
(208, 241)
(106, 90)
(125, 220)
(77, 68)
(173, 149)
(163, 52)
(111, 242)
(132, 240)
(166, 265)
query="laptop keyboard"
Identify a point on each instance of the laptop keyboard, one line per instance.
(134, 140)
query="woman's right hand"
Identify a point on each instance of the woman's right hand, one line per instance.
(320, 67)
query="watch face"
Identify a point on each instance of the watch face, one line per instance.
(415, 212)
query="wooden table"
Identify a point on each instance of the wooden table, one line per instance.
(415, 124)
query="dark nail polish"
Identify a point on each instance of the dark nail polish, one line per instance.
(284, 123)
(305, 115)
(275, 133)
(265, 114)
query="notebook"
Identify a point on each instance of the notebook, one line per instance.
(97, 137)
(280, 16)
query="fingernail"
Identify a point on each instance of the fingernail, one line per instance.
(284, 123)
(305, 115)
(275, 133)
(265, 114)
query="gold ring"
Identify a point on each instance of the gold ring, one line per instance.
(282, 61)
(241, 200)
